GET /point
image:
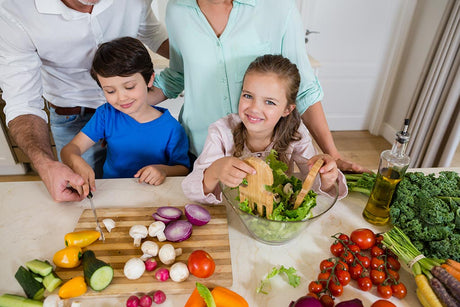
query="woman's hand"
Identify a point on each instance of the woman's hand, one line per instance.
(351, 167)
(151, 175)
(229, 170)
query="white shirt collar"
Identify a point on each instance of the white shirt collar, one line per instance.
(58, 7)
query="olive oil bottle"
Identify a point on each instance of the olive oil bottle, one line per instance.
(392, 167)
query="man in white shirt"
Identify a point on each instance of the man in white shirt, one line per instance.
(46, 49)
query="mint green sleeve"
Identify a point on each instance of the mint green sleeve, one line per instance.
(293, 47)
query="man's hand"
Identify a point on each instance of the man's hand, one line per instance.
(351, 167)
(59, 179)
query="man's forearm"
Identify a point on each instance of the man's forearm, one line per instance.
(31, 133)
(163, 50)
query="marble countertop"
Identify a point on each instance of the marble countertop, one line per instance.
(32, 226)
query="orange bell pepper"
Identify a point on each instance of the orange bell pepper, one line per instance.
(81, 238)
(69, 257)
(195, 300)
(72, 288)
(227, 298)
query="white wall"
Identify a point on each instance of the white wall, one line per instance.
(425, 22)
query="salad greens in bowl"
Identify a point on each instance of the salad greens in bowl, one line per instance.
(285, 223)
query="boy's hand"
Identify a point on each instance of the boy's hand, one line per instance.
(328, 172)
(151, 175)
(229, 170)
(83, 169)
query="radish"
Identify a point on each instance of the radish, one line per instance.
(197, 215)
(133, 301)
(162, 274)
(150, 264)
(145, 301)
(178, 231)
(159, 297)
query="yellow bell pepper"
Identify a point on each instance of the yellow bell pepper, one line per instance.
(72, 288)
(69, 257)
(81, 238)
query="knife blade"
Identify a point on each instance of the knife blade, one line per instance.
(90, 197)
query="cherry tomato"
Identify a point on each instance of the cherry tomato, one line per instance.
(354, 248)
(323, 277)
(399, 290)
(394, 275)
(342, 266)
(363, 237)
(347, 256)
(335, 288)
(384, 291)
(337, 249)
(356, 271)
(365, 261)
(201, 264)
(313, 295)
(365, 283)
(378, 277)
(326, 301)
(326, 265)
(383, 303)
(343, 277)
(376, 251)
(393, 263)
(378, 239)
(315, 287)
(377, 263)
(344, 238)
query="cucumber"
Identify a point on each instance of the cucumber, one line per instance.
(32, 287)
(98, 274)
(11, 300)
(39, 267)
(51, 282)
(37, 277)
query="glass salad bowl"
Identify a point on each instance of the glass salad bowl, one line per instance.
(275, 232)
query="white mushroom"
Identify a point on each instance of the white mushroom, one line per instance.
(138, 232)
(134, 268)
(53, 300)
(168, 254)
(156, 230)
(109, 224)
(178, 272)
(150, 249)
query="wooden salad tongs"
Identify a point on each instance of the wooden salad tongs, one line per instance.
(308, 182)
(255, 191)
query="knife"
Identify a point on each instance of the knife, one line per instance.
(90, 197)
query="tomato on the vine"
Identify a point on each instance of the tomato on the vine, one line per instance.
(383, 303)
(384, 291)
(323, 277)
(335, 288)
(394, 275)
(326, 301)
(365, 261)
(337, 248)
(378, 238)
(399, 290)
(378, 277)
(342, 266)
(315, 287)
(325, 265)
(356, 271)
(344, 238)
(393, 263)
(377, 263)
(363, 237)
(201, 264)
(347, 256)
(376, 251)
(365, 283)
(354, 248)
(343, 277)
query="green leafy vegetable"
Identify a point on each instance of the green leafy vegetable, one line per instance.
(293, 278)
(426, 208)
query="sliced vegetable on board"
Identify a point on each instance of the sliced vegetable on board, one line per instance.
(197, 215)
(98, 274)
(32, 288)
(12, 300)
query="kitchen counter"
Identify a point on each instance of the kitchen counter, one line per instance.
(33, 226)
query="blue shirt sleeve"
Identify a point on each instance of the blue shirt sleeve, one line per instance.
(95, 127)
(178, 146)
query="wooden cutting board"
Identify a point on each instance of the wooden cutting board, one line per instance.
(118, 248)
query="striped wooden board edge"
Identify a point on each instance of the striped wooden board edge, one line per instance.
(119, 248)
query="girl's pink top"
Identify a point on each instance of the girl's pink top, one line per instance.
(219, 143)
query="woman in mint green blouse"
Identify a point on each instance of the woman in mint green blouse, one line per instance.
(212, 44)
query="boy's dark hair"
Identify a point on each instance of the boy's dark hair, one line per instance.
(123, 57)
(285, 130)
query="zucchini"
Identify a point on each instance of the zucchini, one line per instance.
(51, 282)
(98, 274)
(37, 277)
(32, 287)
(11, 300)
(39, 267)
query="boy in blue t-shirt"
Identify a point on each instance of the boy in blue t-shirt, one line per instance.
(143, 141)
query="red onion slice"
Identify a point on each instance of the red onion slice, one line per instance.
(170, 213)
(197, 215)
(158, 217)
(177, 231)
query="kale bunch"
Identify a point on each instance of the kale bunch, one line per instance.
(427, 209)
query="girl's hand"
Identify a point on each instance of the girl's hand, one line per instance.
(83, 169)
(328, 172)
(229, 170)
(151, 175)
